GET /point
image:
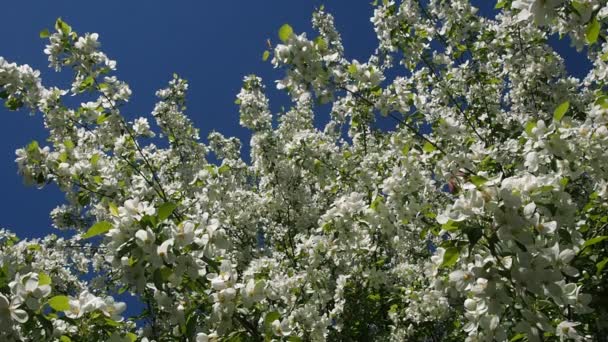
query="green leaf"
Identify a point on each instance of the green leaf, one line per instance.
(94, 159)
(376, 202)
(450, 257)
(60, 303)
(65, 338)
(593, 241)
(102, 118)
(222, 169)
(285, 32)
(131, 336)
(500, 4)
(602, 101)
(43, 279)
(450, 226)
(13, 103)
(34, 247)
(113, 208)
(321, 43)
(352, 69)
(62, 26)
(600, 265)
(517, 337)
(560, 111)
(33, 147)
(165, 210)
(44, 33)
(271, 317)
(265, 55)
(86, 83)
(593, 31)
(98, 228)
(428, 147)
(529, 127)
(478, 180)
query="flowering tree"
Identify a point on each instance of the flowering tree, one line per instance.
(481, 216)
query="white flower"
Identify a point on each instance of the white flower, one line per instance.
(281, 328)
(565, 331)
(10, 310)
(165, 251)
(202, 337)
(183, 234)
(145, 238)
(29, 289)
(539, 10)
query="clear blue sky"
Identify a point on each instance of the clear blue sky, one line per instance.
(213, 44)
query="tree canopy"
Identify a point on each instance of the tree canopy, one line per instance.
(480, 215)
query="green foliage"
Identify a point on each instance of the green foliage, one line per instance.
(165, 210)
(593, 31)
(560, 111)
(285, 32)
(59, 303)
(98, 228)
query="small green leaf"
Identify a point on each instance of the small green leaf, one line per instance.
(113, 208)
(594, 241)
(265, 55)
(33, 147)
(529, 127)
(60, 303)
(13, 103)
(98, 228)
(271, 317)
(478, 180)
(65, 338)
(352, 69)
(44, 33)
(450, 226)
(62, 26)
(560, 111)
(578, 7)
(43, 279)
(321, 43)
(86, 83)
(285, 32)
(376, 202)
(223, 169)
(517, 337)
(450, 257)
(428, 147)
(500, 4)
(165, 210)
(593, 31)
(69, 144)
(34, 247)
(94, 159)
(600, 265)
(131, 336)
(102, 118)
(374, 297)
